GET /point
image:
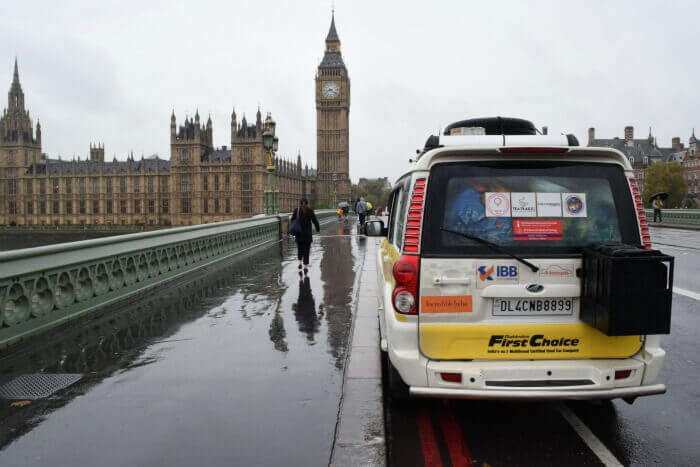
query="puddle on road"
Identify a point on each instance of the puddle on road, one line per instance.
(241, 365)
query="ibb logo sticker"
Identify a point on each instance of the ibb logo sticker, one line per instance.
(489, 273)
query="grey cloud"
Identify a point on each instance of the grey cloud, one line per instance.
(112, 71)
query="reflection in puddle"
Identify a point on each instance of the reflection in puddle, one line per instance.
(305, 310)
(219, 334)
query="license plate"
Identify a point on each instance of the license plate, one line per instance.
(533, 306)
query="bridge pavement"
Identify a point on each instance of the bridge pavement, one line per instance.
(240, 364)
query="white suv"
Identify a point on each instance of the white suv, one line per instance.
(479, 271)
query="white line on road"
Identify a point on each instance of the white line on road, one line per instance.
(596, 445)
(687, 293)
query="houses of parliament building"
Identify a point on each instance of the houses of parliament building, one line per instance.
(200, 183)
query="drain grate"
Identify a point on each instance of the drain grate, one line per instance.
(37, 386)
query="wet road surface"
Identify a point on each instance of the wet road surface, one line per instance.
(238, 365)
(654, 430)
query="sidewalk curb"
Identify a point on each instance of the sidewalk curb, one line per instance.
(674, 226)
(359, 437)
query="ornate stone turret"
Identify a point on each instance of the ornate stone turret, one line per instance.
(19, 145)
(97, 152)
(173, 126)
(234, 126)
(192, 142)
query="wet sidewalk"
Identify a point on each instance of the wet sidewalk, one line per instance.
(238, 365)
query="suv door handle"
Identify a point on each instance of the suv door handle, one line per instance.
(451, 281)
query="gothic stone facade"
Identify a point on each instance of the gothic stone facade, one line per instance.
(199, 184)
(332, 123)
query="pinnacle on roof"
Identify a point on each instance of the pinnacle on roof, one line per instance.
(15, 77)
(332, 33)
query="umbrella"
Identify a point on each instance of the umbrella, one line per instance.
(343, 204)
(662, 194)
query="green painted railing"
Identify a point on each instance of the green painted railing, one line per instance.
(44, 287)
(73, 228)
(677, 216)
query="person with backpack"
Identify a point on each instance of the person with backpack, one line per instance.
(302, 218)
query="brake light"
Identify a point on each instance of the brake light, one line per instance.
(622, 374)
(411, 241)
(510, 150)
(451, 377)
(405, 271)
(405, 293)
(641, 216)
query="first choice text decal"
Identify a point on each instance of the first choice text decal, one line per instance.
(536, 343)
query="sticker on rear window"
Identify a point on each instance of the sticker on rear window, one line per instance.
(523, 205)
(497, 204)
(549, 204)
(537, 229)
(574, 204)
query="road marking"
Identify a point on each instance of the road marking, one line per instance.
(456, 445)
(596, 445)
(687, 293)
(429, 446)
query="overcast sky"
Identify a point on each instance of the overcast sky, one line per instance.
(113, 71)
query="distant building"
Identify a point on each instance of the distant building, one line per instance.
(643, 152)
(332, 123)
(691, 167)
(200, 183)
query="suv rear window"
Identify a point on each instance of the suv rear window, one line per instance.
(542, 208)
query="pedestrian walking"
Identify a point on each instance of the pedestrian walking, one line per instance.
(361, 209)
(657, 204)
(303, 236)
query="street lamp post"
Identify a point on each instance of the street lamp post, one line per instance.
(335, 190)
(270, 143)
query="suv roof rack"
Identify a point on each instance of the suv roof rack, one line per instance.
(493, 126)
(495, 131)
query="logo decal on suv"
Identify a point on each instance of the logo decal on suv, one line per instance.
(485, 274)
(491, 273)
(562, 272)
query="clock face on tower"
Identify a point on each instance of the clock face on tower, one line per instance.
(330, 90)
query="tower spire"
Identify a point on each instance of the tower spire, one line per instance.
(15, 77)
(332, 33)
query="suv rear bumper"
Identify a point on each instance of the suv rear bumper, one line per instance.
(538, 394)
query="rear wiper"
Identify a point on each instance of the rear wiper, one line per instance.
(494, 247)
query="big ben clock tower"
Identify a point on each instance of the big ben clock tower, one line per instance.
(332, 129)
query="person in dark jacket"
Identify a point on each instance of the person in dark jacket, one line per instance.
(306, 217)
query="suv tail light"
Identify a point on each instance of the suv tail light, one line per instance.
(405, 295)
(641, 216)
(411, 242)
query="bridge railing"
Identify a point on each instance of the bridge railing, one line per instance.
(44, 287)
(689, 217)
